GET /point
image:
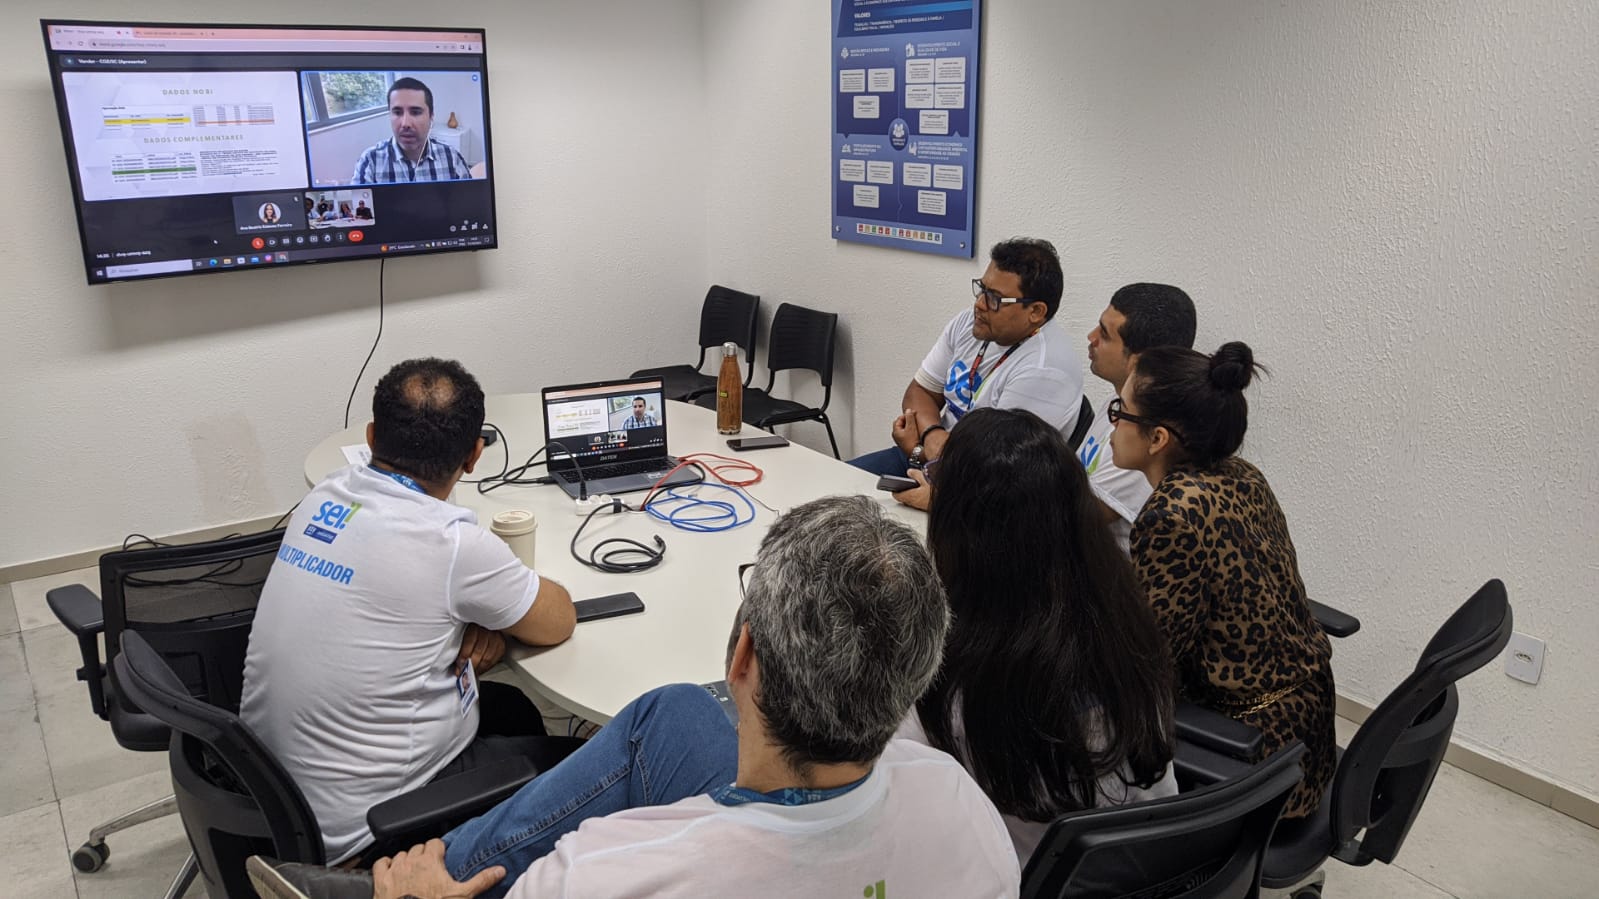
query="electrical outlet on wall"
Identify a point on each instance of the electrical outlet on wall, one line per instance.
(1524, 658)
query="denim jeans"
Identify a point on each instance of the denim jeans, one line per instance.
(885, 461)
(669, 744)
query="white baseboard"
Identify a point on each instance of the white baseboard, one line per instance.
(88, 558)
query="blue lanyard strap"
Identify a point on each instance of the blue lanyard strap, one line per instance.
(403, 480)
(732, 794)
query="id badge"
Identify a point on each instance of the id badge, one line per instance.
(465, 685)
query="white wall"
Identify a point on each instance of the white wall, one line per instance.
(1397, 205)
(171, 405)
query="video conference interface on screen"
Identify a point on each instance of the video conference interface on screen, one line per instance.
(597, 420)
(214, 147)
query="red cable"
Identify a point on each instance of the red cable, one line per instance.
(714, 469)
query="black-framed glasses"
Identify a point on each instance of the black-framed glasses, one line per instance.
(744, 580)
(992, 301)
(1115, 410)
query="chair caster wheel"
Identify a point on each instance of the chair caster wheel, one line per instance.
(1313, 891)
(90, 857)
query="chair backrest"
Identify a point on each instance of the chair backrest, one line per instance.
(729, 315)
(194, 604)
(1208, 843)
(1085, 417)
(1385, 774)
(802, 338)
(234, 797)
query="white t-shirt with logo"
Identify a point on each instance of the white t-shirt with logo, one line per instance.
(349, 677)
(918, 826)
(1124, 490)
(1044, 375)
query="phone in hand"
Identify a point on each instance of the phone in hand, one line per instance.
(744, 444)
(895, 483)
(608, 606)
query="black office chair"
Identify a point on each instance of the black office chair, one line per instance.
(194, 603)
(1208, 843)
(801, 339)
(1388, 769)
(1085, 417)
(727, 315)
(236, 800)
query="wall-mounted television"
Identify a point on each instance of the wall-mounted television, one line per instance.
(209, 148)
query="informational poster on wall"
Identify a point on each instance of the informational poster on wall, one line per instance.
(905, 123)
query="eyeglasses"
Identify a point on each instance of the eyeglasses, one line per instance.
(992, 301)
(743, 580)
(1114, 412)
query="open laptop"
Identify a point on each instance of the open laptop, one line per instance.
(616, 430)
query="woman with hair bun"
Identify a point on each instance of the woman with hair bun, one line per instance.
(1219, 569)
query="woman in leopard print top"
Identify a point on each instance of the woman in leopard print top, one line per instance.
(1218, 566)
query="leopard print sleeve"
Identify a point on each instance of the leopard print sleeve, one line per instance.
(1167, 553)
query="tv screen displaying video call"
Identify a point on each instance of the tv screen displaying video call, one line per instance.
(206, 148)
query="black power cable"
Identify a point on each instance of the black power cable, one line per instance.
(382, 262)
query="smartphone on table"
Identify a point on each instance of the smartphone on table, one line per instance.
(745, 444)
(608, 606)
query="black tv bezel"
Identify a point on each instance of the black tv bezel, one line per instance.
(69, 148)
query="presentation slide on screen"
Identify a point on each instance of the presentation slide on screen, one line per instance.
(166, 134)
(578, 417)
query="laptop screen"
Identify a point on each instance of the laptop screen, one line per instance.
(599, 423)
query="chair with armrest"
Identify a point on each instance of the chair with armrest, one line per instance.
(236, 799)
(1208, 843)
(194, 603)
(801, 338)
(1085, 417)
(727, 315)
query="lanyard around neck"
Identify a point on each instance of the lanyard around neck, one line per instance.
(405, 481)
(971, 376)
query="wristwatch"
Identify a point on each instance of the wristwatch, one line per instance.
(916, 456)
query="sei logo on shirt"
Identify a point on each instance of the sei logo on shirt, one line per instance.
(335, 516)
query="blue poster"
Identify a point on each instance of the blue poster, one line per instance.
(905, 123)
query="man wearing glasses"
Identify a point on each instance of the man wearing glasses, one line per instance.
(996, 353)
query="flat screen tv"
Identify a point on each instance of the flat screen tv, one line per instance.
(196, 149)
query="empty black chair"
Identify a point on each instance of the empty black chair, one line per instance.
(1208, 843)
(1385, 774)
(1085, 417)
(194, 603)
(726, 316)
(801, 339)
(236, 800)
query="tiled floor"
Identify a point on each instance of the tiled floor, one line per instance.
(61, 773)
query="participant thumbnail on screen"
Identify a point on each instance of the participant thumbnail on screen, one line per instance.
(394, 127)
(340, 208)
(628, 413)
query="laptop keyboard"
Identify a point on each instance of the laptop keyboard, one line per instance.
(613, 470)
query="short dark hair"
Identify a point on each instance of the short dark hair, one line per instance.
(1037, 264)
(427, 416)
(411, 84)
(1157, 315)
(1200, 396)
(639, 399)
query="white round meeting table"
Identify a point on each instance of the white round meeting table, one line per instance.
(690, 598)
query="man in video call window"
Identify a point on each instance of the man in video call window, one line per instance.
(640, 418)
(410, 155)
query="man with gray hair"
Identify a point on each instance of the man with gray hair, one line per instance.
(841, 629)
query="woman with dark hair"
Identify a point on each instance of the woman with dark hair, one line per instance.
(1056, 690)
(1212, 548)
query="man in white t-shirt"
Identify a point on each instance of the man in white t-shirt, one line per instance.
(383, 604)
(841, 628)
(999, 353)
(1139, 316)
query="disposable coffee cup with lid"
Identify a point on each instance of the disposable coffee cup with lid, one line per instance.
(518, 529)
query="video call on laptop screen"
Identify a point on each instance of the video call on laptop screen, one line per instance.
(205, 148)
(592, 422)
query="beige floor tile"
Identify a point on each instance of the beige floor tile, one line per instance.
(16, 693)
(24, 769)
(34, 862)
(53, 662)
(8, 611)
(32, 610)
(83, 754)
(1474, 839)
(1376, 881)
(144, 858)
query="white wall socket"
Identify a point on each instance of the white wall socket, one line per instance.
(1524, 658)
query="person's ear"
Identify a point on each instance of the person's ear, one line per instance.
(741, 668)
(471, 460)
(371, 430)
(1160, 440)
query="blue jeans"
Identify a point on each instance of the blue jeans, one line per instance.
(669, 744)
(886, 461)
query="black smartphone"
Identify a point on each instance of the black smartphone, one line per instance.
(608, 606)
(895, 483)
(743, 444)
